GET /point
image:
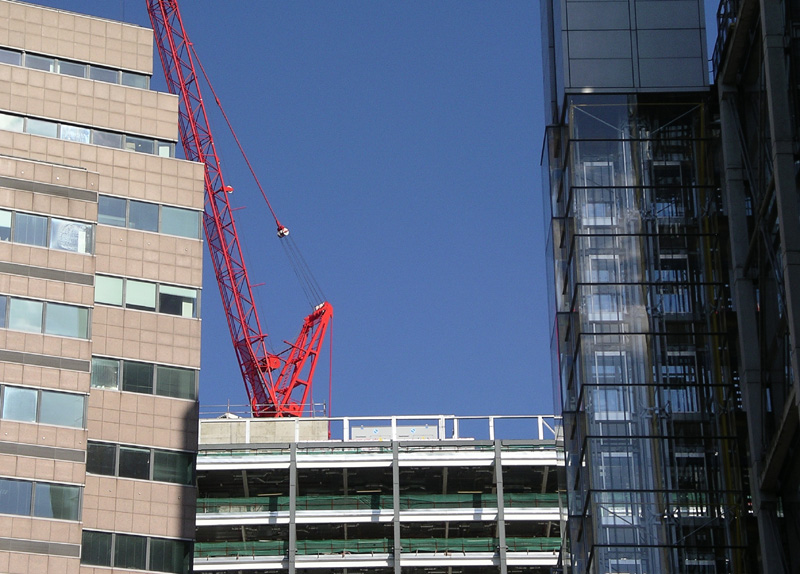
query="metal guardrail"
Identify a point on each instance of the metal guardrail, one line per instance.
(403, 427)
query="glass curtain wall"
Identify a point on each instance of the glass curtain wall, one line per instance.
(641, 332)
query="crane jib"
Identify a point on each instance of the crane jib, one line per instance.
(279, 384)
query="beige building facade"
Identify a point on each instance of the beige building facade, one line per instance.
(100, 275)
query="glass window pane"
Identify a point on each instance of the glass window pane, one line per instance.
(76, 134)
(130, 552)
(63, 409)
(174, 467)
(101, 458)
(143, 216)
(104, 74)
(175, 382)
(141, 145)
(137, 377)
(30, 229)
(139, 295)
(108, 290)
(3, 307)
(183, 222)
(57, 501)
(15, 497)
(19, 404)
(5, 225)
(72, 69)
(134, 462)
(96, 548)
(105, 373)
(107, 139)
(25, 315)
(67, 321)
(111, 211)
(177, 301)
(169, 555)
(10, 57)
(41, 128)
(135, 80)
(165, 149)
(39, 63)
(70, 236)
(11, 123)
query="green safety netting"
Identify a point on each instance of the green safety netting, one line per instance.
(374, 546)
(374, 502)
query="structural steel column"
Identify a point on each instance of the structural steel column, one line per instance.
(292, 506)
(779, 111)
(398, 549)
(502, 548)
(764, 503)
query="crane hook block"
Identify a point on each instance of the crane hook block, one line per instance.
(283, 231)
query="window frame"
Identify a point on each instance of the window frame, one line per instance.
(102, 198)
(40, 394)
(153, 455)
(120, 373)
(161, 292)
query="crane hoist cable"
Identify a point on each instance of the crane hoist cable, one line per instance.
(308, 282)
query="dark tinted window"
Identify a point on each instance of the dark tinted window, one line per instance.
(101, 458)
(134, 462)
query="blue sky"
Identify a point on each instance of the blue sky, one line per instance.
(400, 143)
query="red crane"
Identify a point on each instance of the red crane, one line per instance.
(278, 384)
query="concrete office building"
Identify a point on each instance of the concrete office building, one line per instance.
(757, 72)
(643, 336)
(432, 495)
(100, 274)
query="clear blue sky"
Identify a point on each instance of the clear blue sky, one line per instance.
(400, 143)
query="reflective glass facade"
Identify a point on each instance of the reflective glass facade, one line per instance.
(642, 328)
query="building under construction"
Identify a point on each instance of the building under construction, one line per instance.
(440, 494)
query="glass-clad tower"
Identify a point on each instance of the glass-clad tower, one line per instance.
(642, 320)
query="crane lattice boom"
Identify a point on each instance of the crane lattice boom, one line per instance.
(278, 385)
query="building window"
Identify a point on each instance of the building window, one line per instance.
(25, 404)
(96, 548)
(76, 69)
(597, 198)
(42, 231)
(673, 289)
(142, 216)
(44, 317)
(143, 296)
(145, 378)
(40, 499)
(679, 377)
(145, 216)
(81, 134)
(138, 552)
(140, 463)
